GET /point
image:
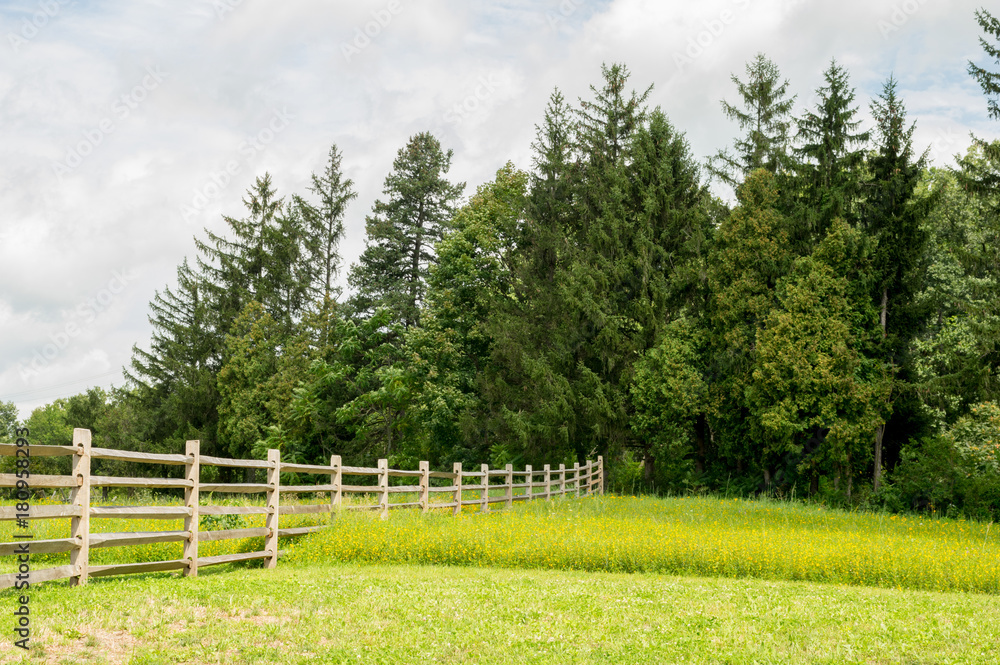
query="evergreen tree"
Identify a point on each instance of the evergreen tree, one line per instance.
(989, 81)
(260, 259)
(812, 378)
(450, 351)
(175, 378)
(893, 218)
(751, 253)
(832, 154)
(403, 229)
(614, 217)
(248, 405)
(982, 176)
(765, 116)
(324, 226)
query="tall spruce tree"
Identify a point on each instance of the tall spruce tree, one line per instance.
(765, 117)
(832, 155)
(893, 218)
(614, 213)
(175, 378)
(403, 229)
(324, 226)
(259, 259)
(750, 254)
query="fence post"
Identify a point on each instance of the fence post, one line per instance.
(562, 480)
(548, 482)
(576, 475)
(79, 558)
(383, 484)
(193, 475)
(425, 485)
(456, 469)
(336, 479)
(485, 506)
(529, 478)
(509, 489)
(600, 473)
(273, 501)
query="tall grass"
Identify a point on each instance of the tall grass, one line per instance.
(690, 536)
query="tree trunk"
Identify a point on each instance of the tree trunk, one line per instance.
(415, 264)
(647, 466)
(884, 315)
(877, 480)
(814, 484)
(880, 432)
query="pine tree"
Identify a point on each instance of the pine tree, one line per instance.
(259, 260)
(832, 150)
(175, 378)
(894, 219)
(989, 81)
(402, 230)
(615, 215)
(324, 226)
(765, 117)
(982, 176)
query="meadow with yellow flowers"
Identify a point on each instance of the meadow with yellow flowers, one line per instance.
(738, 538)
(680, 536)
(606, 579)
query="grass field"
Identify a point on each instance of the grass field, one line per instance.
(351, 613)
(603, 579)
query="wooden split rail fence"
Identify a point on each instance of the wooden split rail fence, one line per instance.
(546, 483)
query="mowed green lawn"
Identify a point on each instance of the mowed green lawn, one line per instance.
(352, 613)
(604, 579)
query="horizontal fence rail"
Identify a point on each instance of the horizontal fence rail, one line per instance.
(545, 483)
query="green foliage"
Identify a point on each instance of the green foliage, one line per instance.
(988, 81)
(765, 119)
(976, 437)
(247, 389)
(668, 391)
(831, 150)
(811, 375)
(449, 351)
(401, 232)
(8, 421)
(323, 224)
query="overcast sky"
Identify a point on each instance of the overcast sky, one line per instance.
(129, 127)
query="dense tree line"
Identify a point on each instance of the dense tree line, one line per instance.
(835, 331)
